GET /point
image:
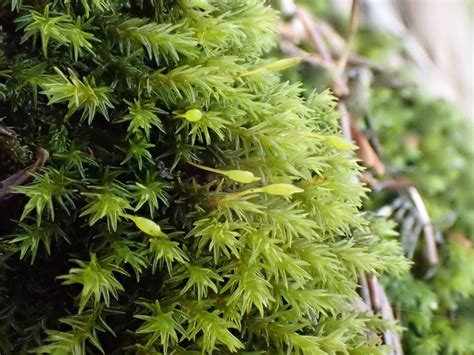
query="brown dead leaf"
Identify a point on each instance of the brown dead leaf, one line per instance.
(461, 240)
(365, 152)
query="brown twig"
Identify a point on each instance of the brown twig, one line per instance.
(314, 34)
(292, 50)
(22, 176)
(353, 23)
(380, 305)
(365, 152)
(339, 87)
(336, 42)
(374, 292)
(364, 292)
(430, 242)
(345, 121)
(390, 338)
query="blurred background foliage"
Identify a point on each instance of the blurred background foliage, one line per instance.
(422, 136)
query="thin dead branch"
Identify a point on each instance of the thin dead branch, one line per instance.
(430, 241)
(292, 50)
(345, 121)
(364, 292)
(390, 337)
(314, 34)
(22, 176)
(335, 41)
(374, 292)
(365, 152)
(380, 304)
(353, 23)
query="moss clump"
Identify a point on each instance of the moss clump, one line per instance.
(155, 228)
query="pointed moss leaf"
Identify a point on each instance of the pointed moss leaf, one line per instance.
(193, 115)
(243, 176)
(281, 189)
(147, 226)
(339, 143)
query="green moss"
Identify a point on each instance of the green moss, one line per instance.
(265, 266)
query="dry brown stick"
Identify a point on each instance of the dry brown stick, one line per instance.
(390, 338)
(345, 121)
(336, 42)
(23, 175)
(380, 304)
(314, 34)
(431, 250)
(365, 152)
(339, 87)
(292, 50)
(353, 23)
(374, 292)
(364, 292)
(337, 45)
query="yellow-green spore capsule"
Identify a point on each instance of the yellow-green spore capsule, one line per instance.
(147, 226)
(339, 143)
(281, 189)
(193, 115)
(243, 176)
